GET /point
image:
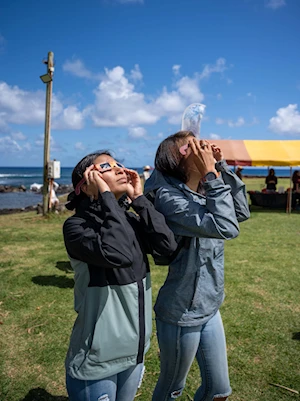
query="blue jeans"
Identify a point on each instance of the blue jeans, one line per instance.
(178, 348)
(120, 387)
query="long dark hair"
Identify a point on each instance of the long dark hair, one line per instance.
(295, 175)
(168, 159)
(77, 175)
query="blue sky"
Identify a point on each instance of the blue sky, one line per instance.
(126, 69)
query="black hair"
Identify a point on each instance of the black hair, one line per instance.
(294, 176)
(77, 175)
(168, 159)
(271, 171)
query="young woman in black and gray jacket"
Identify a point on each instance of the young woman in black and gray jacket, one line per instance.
(108, 247)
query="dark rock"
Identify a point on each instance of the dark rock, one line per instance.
(64, 189)
(39, 209)
(10, 188)
(19, 210)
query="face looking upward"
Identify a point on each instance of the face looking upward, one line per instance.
(115, 177)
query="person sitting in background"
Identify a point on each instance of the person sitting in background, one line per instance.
(296, 181)
(239, 172)
(271, 180)
(146, 172)
(54, 201)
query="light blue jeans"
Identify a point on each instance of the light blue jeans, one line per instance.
(178, 348)
(120, 387)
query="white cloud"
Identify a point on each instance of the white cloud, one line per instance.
(118, 104)
(21, 107)
(137, 132)
(238, 123)
(219, 66)
(135, 73)
(54, 146)
(18, 136)
(219, 96)
(175, 119)
(24, 107)
(189, 89)
(287, 120)
(76, 67)
(40, 141)
(214, 136)
(274, 4)
(79, 146)
(176, 69)
(9, 145)
(69, 118)
(170, 102)
(229, 81)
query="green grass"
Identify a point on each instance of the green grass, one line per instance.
(258, 183)
(260, 313)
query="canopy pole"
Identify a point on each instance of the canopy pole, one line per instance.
(290, 196)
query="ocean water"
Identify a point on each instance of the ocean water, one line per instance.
(26, 176)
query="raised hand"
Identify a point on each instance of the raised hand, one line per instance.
(217, 152)
(203, 157)
(134, 186)
(94, 182)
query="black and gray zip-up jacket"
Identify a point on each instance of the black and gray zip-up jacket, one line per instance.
(108, 247)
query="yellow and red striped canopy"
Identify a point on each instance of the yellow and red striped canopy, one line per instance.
(260, 153)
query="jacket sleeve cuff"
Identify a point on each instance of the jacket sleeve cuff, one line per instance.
(222, 165)
(140, 203)
(214, 184)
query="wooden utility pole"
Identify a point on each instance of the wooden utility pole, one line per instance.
(47, 78)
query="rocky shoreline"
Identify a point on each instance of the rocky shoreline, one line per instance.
(61, 190)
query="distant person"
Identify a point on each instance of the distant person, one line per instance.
(239, 172)
(271, 180)
(296, 190)
(296, 181)
(146, 172)
(54, 201)
(108, 248)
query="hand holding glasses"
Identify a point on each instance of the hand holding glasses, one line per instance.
(90, 177)
(202, 154)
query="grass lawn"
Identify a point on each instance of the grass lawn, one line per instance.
(260, 313)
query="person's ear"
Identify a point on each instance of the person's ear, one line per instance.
(84, 189)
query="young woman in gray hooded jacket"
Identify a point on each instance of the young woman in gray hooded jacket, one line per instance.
(203, 201)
